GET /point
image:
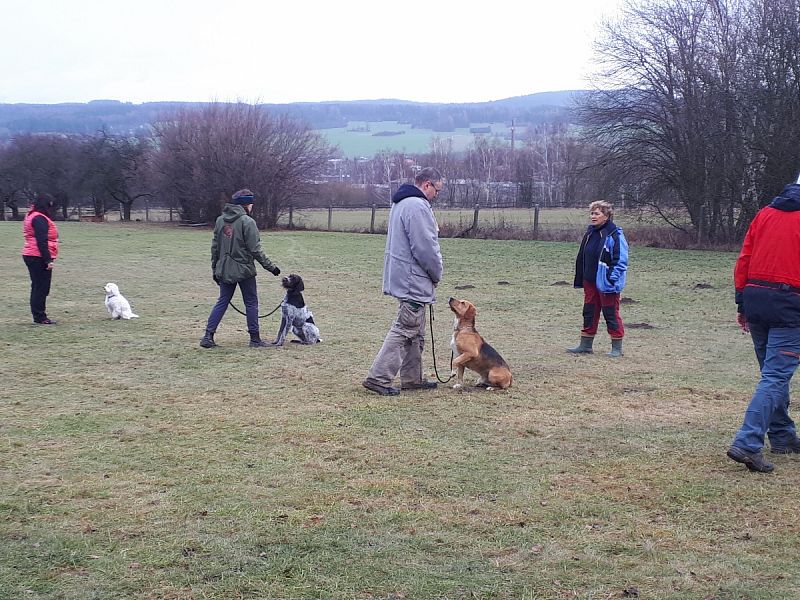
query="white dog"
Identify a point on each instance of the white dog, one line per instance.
(117, 305)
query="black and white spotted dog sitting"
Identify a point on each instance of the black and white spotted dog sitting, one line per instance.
(295, 316)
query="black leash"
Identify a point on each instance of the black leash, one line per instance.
(433, 351)
(233, 306)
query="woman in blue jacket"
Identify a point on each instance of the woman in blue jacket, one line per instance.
(600, 270)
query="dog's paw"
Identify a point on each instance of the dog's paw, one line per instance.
(458, 386)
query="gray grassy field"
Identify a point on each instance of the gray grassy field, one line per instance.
(134, 464)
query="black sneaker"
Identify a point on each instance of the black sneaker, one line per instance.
(208, 342)
(754, 461)
(45, 322)
(420, 385)
(383, 390)
(258, 344)
(792, 447)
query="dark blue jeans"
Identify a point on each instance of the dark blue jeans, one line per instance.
(250, 298)
(778, 353)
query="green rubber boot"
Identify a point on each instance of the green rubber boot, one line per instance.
(616, 348)
(585, 347)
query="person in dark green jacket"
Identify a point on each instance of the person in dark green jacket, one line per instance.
(235, 248)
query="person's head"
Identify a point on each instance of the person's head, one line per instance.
(430, 181)
(43, 203)
(600, 211)
(243, 198)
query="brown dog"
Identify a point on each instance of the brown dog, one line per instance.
(472, 351)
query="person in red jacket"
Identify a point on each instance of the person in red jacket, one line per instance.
(767, 280)
(39, 253)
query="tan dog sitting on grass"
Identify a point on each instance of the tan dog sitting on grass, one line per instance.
(471, 351)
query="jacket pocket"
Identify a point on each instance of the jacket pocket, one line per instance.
(420, 286)
(233, 271)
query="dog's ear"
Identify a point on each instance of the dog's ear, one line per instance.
(469, 310)
(299, 286)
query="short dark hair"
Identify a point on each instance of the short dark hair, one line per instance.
(428, 174)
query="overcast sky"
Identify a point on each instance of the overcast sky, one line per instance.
(292, 50)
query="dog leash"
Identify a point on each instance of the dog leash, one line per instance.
(433, 351)
(233, 306)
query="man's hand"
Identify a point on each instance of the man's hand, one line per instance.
(275, 270)
(215, 278)
(741, 319)
(49, 266)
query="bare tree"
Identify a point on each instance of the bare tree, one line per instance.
(11, 185)
(204, 155)
(699, 105)
(39, 163)
(115, 168)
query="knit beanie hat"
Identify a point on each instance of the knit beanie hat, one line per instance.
(242, 197)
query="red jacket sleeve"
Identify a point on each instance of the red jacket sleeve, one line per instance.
(742, 269)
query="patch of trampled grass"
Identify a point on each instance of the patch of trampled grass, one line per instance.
(137, 465)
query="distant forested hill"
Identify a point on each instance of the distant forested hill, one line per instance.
(126, 118)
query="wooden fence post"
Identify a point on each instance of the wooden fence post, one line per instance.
(291, 217)
(475, 219)
(330, 216)
(535, 220)
(372, 220)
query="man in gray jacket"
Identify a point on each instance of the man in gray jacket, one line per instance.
(412, 269)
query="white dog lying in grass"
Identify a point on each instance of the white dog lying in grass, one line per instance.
(117, 305)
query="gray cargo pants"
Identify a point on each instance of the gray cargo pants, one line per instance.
(402, 349)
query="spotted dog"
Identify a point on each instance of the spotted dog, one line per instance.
(295, 315)
(471, 351)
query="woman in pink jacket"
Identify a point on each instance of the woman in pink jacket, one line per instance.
(39, 253)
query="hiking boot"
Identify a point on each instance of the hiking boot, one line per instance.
(208, 341)
(585, 347)
(754, 461)
(420, 385)
(259, 344)
(616, 348)
(382, 390)
(792, 447)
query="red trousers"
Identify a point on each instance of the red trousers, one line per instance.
(595, 302)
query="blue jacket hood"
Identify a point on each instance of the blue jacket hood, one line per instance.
(408, 191)
(789, 198)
